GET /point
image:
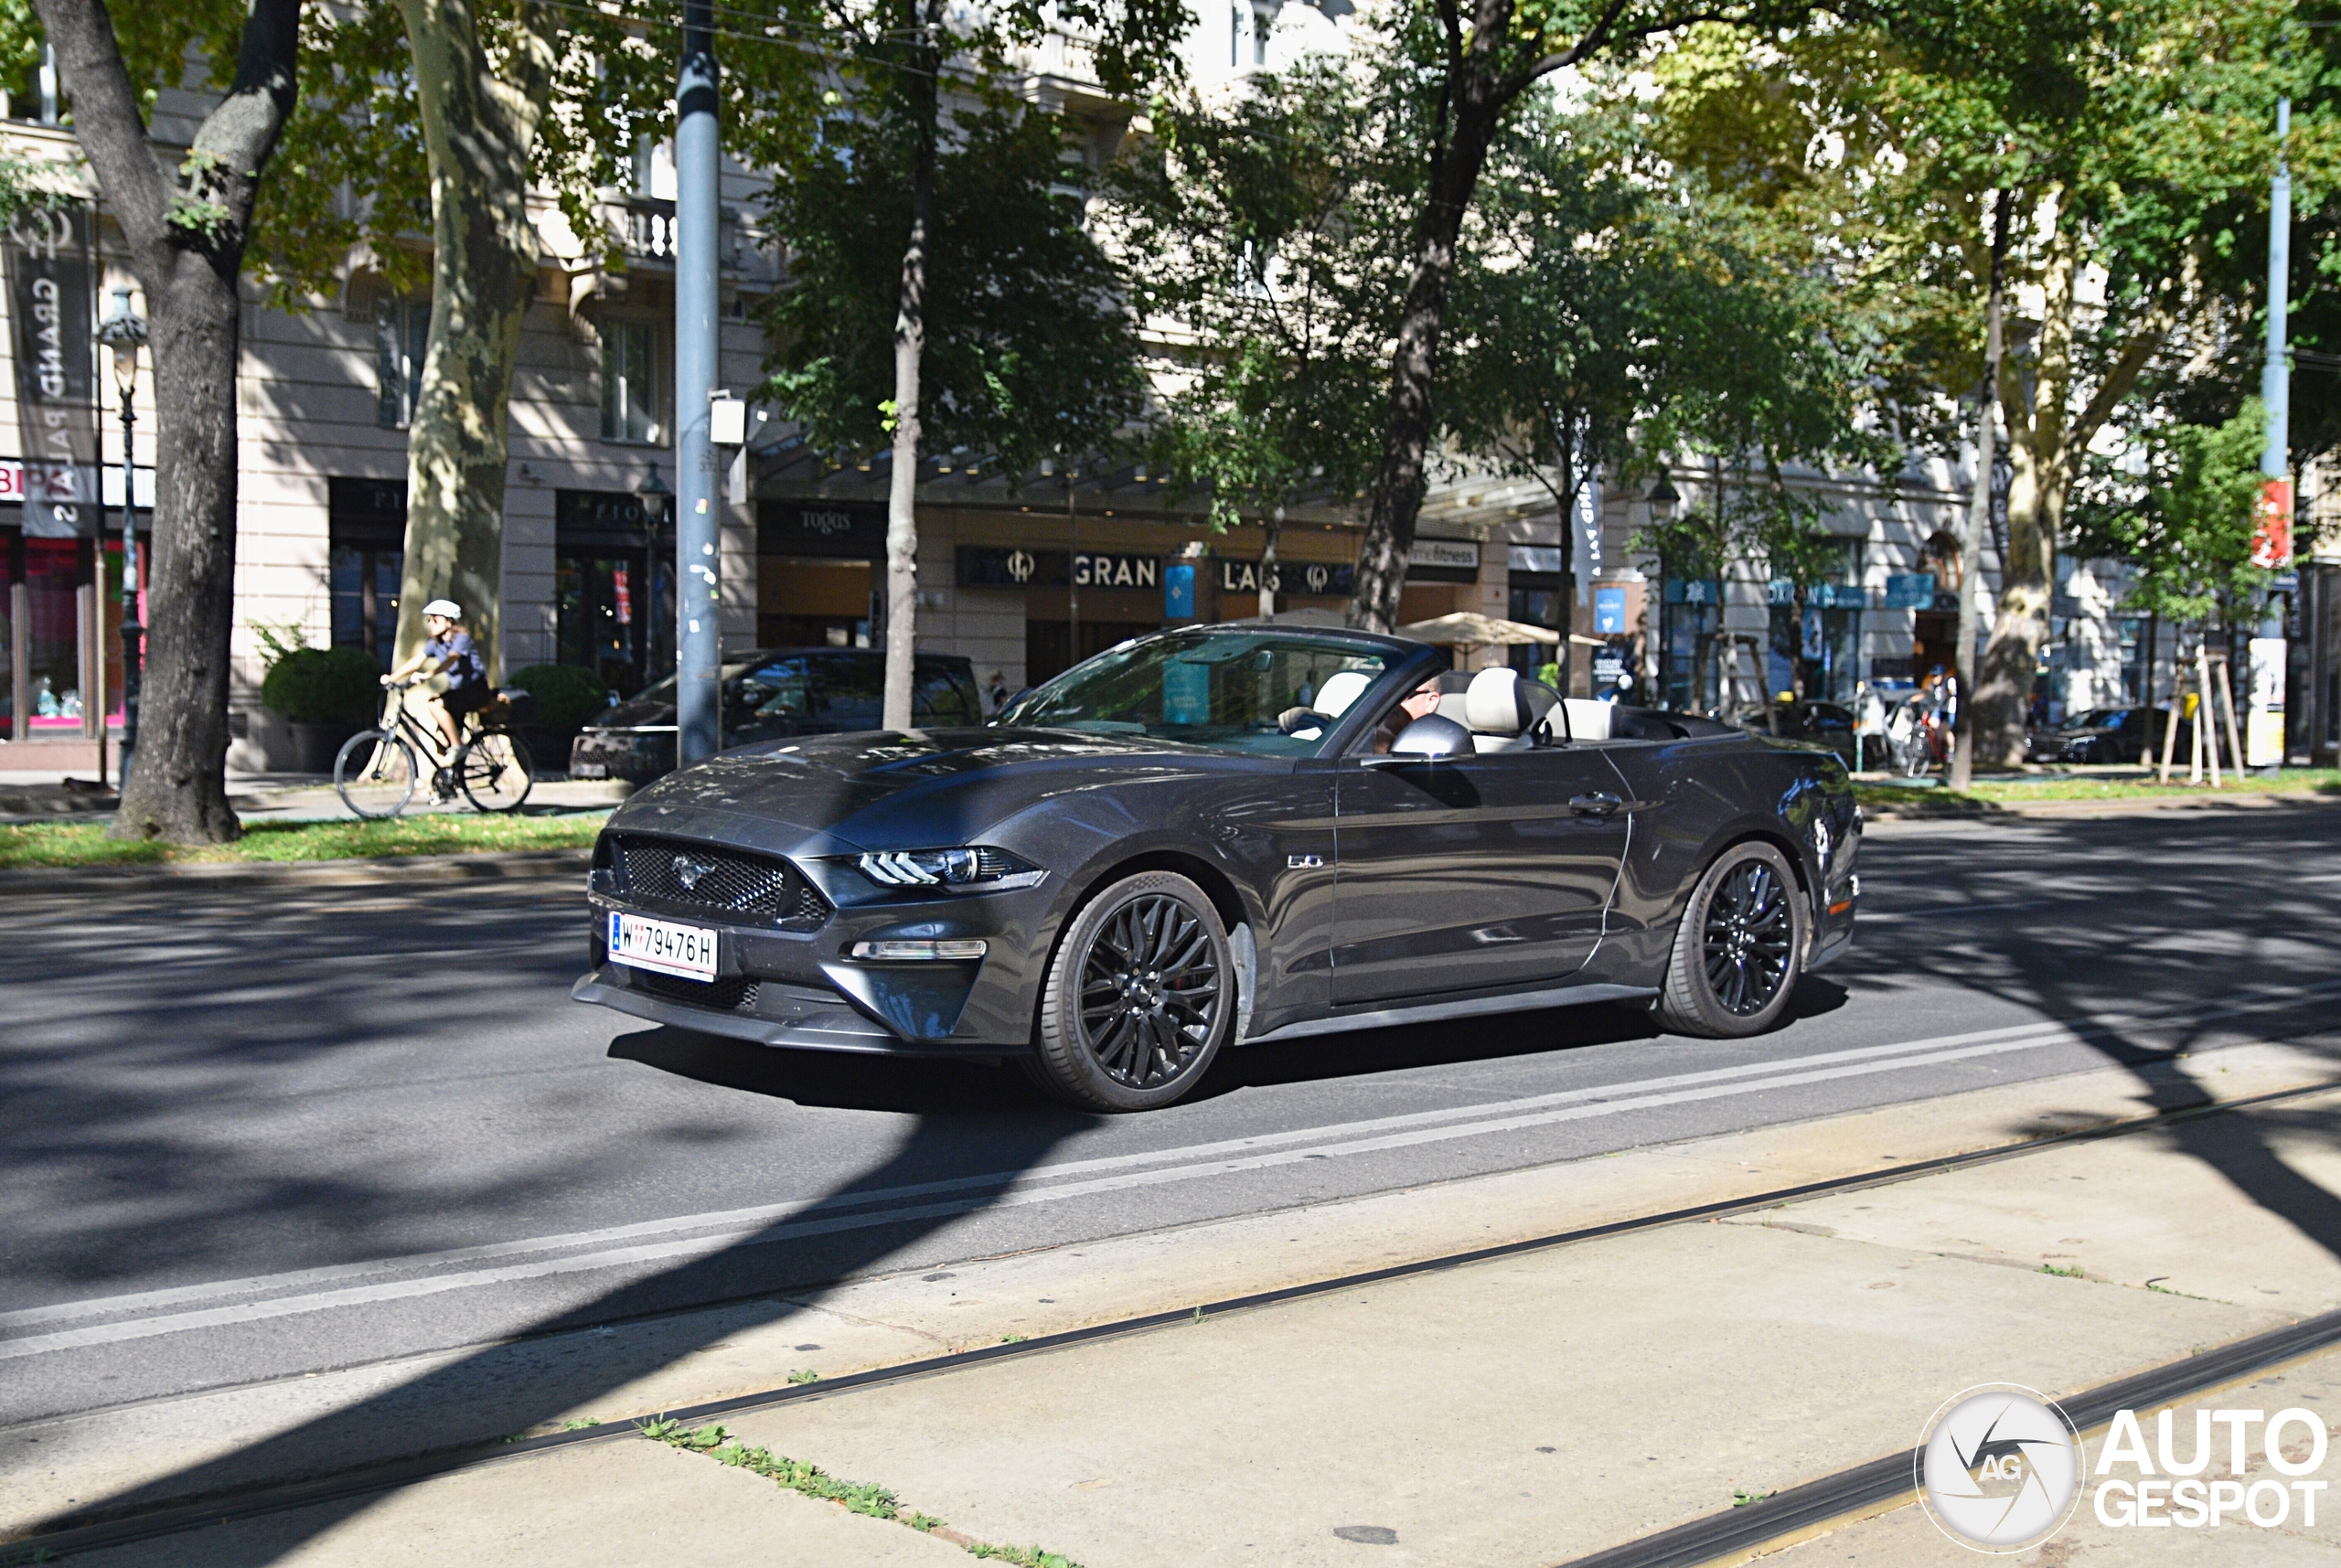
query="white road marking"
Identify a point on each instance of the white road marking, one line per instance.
(1046, 1184)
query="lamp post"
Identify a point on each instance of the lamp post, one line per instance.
(123, 331)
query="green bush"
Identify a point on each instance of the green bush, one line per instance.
(325, 685)
(567, 697)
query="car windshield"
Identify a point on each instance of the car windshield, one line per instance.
(1238, 690)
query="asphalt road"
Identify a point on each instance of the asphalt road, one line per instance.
(261, 1131)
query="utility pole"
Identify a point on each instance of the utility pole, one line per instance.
(698, 649)
(2275, 377)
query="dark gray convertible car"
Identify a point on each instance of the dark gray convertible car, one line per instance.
(1216, 836)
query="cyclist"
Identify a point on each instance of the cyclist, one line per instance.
(458, 684)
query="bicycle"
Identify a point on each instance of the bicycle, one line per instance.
(375, 772)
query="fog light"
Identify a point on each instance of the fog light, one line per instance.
(956, 948)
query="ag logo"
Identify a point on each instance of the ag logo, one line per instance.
(1317, 578)
(1020, 565)
(1999, 1468)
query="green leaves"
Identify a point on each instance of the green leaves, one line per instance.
(1029, 351)
(2184, 526)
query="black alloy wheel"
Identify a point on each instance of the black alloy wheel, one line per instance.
(1739, 948)
(1138, 998)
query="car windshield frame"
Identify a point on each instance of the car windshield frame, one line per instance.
(1126, 687)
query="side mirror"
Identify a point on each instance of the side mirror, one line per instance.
(1430, 738)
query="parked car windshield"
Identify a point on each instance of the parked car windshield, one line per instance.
(1236, 690)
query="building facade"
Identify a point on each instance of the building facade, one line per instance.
(1023, 574)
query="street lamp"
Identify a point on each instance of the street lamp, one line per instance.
(124, 330)
(1661, 499)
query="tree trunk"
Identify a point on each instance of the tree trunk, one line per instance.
(2038, 455)
(1275, 527)
(478, 128)
(1979, 500)
(187, 245)
(909, 347)
(1414, 364)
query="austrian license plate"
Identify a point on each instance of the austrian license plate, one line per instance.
(662, 946)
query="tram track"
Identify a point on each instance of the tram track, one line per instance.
(1793, 1512)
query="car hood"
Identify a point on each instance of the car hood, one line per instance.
(829, 794)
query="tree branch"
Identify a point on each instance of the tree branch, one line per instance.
(110, 128)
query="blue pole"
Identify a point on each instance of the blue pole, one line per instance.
(2275, 379)
(697, 650)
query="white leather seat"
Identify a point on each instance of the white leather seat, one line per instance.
(1588, 720)
(1496, 711)
(1342, 687)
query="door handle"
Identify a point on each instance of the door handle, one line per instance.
(1595, 805)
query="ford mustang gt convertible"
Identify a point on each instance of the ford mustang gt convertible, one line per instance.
(1216, 836)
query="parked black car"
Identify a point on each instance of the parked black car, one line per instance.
(775, 694)
(2105, 735)
(1217, 835)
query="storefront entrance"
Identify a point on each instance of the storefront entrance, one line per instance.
(61, 636)
(817, 572)
(612, 587)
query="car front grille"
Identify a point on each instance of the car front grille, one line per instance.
(728, 993)
(741, 887)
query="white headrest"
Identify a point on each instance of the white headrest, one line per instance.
(1492, 705)
(1588, 720)
(1342, 687)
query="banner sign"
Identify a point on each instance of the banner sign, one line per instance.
(1693, 590)
(1910, 591)
(1820, 595)
(1012, 566)
(841, 529)
(2263, 725)
(1608, 611)
(1179, 590)
(1444, 560)
(2272, 534)
(1308, 579)
(52, 298)
(1588, 520)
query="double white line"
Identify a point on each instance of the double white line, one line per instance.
(150, 1314)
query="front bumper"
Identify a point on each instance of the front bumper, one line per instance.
(797, 1017)
(785, 985)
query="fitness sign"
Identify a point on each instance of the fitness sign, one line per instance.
(2000, 1469)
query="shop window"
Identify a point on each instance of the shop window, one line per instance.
(611, 611)
(401, 330)
(55, 571)
(632, 404)
(364, 584)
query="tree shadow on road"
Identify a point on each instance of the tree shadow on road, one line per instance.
(2154, 993)
(626, 1332)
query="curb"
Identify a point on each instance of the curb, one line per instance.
(498, 865)
(1993, 811)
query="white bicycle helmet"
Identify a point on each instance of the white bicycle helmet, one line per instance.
(446, 607)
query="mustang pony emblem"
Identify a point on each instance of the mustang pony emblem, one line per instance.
(688, 871)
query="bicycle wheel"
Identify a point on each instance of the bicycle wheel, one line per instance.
(495, 772)
(374, 773)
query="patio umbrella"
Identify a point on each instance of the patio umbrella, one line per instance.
(1468, 629)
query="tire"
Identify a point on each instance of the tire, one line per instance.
(374, 773)
(1150, 958)
(495, 772)
(1731, 976)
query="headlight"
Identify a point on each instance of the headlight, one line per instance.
(978, 868)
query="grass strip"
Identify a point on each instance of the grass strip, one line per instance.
(70, 844)
(855, 1496)
(1984, 794)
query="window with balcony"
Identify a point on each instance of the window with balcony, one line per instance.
(402, 328)
(633, 372)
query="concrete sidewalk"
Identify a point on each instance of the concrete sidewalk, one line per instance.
(1525, 1410)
